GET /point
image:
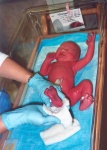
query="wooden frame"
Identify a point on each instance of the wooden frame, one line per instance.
(45, 18)
(101, 67)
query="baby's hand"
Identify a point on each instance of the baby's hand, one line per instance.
(91, 39)
(51, 56)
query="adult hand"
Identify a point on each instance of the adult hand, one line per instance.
(32, 114)
(38, 83)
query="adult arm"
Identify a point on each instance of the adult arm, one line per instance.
(11, 70)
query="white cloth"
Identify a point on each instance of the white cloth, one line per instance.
(59, 132)
(62, 113)
(2, 57)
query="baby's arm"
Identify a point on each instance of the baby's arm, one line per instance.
(46, 66)
(90, 52)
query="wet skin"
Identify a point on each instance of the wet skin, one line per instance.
(63, 71)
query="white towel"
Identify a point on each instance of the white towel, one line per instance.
(59, 132)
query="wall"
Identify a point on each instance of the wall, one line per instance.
(10, 12)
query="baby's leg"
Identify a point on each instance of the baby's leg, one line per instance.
(83, 92)
(52, 94)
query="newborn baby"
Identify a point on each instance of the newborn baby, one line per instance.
(63, 71)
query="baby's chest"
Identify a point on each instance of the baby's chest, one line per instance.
(58, 70)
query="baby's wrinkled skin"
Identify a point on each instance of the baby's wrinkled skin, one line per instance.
(63, 71)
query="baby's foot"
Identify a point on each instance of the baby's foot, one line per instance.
(85, 102)
(52, 94)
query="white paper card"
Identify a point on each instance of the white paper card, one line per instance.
(64, 21)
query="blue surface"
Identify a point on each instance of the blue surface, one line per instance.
(28, 135)
(5, 103)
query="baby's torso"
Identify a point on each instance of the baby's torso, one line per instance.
(62, 71)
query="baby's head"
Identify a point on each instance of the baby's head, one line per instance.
(68, 51)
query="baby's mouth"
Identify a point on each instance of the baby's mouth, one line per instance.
(61, 54)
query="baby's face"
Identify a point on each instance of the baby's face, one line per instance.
(67, 52)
